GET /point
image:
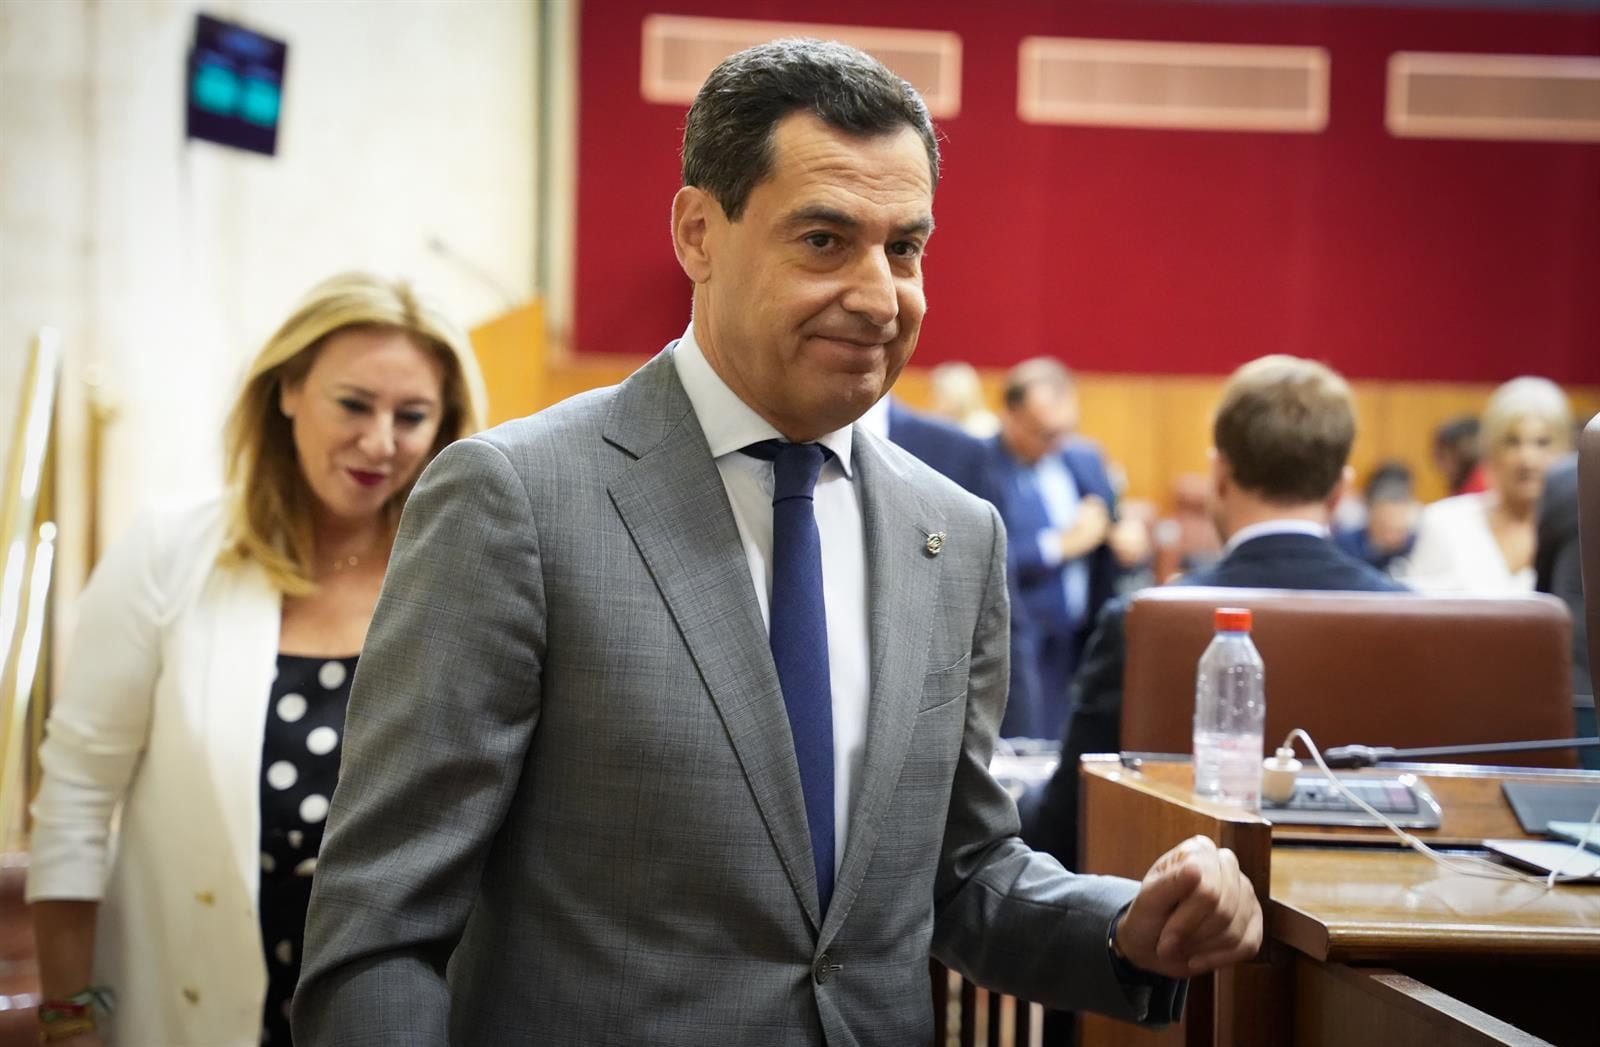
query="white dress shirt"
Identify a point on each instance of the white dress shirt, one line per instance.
(876, 420)
(1062, 499)
(730, 424)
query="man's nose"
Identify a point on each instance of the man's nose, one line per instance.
(872, 294)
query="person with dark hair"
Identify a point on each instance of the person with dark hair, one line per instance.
(1059, 507)
(675, 719)
(1390, 530)
(1456, 456)
(1281, 437)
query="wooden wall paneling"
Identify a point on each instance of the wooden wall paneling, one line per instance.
(1116, 411)
(580, 374)
(1372, 426)
(512, 353)
(1182, 420)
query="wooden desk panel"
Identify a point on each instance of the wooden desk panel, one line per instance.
(1332, 904)
(1381, 904)
(1339, 1005)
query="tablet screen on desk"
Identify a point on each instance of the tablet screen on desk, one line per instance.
(1539, 803)
(1545, 856)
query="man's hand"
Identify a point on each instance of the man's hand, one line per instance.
(1130, 542)
(1088, 529)
(1195, 912)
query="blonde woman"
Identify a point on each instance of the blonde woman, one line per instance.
(204, 700)
(1484, 543)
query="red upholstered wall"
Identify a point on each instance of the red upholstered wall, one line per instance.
(1172, 252)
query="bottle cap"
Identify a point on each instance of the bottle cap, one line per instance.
(1232, 620)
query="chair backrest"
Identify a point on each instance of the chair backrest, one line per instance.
(1589, 536)
(1404, 670)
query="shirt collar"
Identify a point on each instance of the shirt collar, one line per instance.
(728, 422)
(1266, 527)
(876, 420)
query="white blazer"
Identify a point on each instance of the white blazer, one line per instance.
(1456, 551)
(158, 730)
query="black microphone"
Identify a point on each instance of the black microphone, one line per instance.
(1372, 755)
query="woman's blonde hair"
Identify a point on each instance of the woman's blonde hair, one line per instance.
(269, 502)
(1525, 397)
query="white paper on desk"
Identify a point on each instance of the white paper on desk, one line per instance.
(1549, 855)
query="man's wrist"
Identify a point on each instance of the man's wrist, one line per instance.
(1125, 970)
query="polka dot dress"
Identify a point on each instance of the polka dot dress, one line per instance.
(299, 767)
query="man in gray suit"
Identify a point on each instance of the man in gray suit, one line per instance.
(656, 741)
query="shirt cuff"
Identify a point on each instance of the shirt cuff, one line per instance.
(1160, 999)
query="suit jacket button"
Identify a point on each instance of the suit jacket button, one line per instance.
(824, 969)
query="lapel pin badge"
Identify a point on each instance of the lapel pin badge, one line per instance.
(935, 543)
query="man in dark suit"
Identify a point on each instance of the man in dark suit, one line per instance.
(966, 460)
(1058, 507)
(1282, 434)
(1560, 573)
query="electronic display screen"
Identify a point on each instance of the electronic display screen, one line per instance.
(235, 86)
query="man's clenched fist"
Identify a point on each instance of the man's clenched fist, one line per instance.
(1195, 912)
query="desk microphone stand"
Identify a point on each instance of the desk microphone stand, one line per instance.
(1372, 755)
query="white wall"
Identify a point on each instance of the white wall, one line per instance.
(44, 181)
(169, 262)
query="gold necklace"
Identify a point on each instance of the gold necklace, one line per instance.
(356, 559)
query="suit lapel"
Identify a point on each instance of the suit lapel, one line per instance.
(675, 507)
(902, 588)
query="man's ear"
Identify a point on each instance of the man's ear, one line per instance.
(694, 213)
(1347, 478)
(1221, 474)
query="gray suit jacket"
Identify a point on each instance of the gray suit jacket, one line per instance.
(569, 774)
(1558, 567)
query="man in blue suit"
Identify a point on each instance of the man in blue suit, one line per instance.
(1282, 435)
(966, 460)
(1058, 506)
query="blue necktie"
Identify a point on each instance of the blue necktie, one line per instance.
(799, 637)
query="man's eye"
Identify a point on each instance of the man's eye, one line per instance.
(821, 241)
(906, 249)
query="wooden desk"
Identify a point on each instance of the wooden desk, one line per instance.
(1368, 944)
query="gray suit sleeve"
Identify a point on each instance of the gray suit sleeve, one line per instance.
(445, 700)
(1007, 917)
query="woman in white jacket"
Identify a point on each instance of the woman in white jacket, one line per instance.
(193, 747)
(1484, 543)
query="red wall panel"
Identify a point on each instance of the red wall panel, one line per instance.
(1171, 252)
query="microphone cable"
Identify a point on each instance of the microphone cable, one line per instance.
(1466, 865)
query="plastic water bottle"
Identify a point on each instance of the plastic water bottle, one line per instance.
(1230, 709)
